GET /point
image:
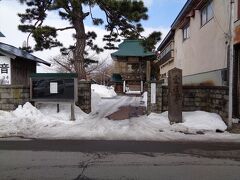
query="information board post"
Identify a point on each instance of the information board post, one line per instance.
(72, 113)
(56, 88)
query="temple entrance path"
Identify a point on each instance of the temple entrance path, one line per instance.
(122, 107)
(127, 112)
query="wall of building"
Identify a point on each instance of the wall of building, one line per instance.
(212, 78)
(119, 67)
(206, 49)
(170, 64)
(164, 68)
(18, 72)
(21, 71)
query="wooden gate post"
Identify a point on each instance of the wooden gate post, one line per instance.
(175, 95)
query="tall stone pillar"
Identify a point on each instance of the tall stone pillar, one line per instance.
(175, 96)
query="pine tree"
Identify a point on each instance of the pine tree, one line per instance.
(122, 18)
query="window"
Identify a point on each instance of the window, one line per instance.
(207, 13)
(166, 50)
(186, 32)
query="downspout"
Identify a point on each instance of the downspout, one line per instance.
(231, 28)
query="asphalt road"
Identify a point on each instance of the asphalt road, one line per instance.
(73, 159)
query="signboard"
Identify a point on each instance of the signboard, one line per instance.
(5, 70)
(153, 93)
(54, 87)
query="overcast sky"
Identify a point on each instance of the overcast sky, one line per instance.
(161, 15)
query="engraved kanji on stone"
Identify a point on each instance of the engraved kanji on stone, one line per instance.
(175, 95)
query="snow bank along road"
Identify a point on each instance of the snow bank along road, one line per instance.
(61, 159)
(29, 122)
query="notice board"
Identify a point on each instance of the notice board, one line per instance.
(56, 87)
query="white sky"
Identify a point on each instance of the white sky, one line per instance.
(9, 22)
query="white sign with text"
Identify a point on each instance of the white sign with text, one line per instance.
(153, 93)
(53, 87)
(5, 70)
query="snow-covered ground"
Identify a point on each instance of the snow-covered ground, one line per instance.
(30, 122)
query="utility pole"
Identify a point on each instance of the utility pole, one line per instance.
(231, 33)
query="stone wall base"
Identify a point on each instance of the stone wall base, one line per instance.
(206, 98)
(11, 96)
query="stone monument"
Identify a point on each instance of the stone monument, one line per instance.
(175, 95)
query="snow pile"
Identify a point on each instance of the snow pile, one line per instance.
(18, 122)
(95, 100)
(27, 111)
(199, 121)
(28, 121)
(103, 91)
(98, 92)
(50, 112)
(203, 120)
(45, 122)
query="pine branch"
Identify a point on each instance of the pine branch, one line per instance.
(65, 28)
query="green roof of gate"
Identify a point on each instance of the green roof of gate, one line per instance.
(132, 48)
(55, 75)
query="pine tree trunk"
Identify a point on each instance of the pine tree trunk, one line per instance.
(78, 53)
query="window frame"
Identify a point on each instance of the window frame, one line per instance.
(206, 9)
(166, 50)
(186, 29)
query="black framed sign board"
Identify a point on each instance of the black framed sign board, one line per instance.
(54, 88)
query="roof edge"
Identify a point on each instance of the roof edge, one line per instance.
(181, 13)
(39, 60)
(166, 39)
